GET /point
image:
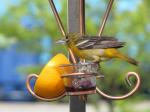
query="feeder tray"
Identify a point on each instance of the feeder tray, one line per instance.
(82, 80)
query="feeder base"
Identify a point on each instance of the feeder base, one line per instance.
(72, 91)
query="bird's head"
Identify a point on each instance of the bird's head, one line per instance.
(73, 37)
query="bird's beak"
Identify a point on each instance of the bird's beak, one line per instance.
(61, 41)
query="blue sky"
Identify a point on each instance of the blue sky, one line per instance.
(127, 4)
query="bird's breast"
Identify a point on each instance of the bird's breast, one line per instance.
(98, 52)
(90, 53)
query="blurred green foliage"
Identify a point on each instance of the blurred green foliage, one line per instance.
(131, 26)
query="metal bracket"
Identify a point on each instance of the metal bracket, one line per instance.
(82, 31)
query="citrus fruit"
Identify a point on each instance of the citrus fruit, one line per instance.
(50, 84)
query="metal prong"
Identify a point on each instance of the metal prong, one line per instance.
(105, 18)
(57, 18)
(61, 26)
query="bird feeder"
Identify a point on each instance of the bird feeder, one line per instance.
(70, 79)
(82, 80)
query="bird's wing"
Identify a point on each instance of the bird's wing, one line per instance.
(89, 42)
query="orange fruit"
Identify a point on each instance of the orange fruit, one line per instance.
(58, 60)
(50, 84)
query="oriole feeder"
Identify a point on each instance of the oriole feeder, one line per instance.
(82, 80)
(78, 78)
(58, 79)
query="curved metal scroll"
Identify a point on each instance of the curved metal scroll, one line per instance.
(130, 74)
(38, 97)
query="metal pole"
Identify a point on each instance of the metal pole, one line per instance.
(76, 24)
(82, 16)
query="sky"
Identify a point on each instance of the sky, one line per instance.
(127, 4)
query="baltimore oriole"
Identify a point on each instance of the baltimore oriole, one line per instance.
(94, 49)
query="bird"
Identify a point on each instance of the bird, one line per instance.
(95, 49)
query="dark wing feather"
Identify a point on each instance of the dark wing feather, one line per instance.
(90, 42)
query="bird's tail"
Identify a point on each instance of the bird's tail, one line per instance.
(128, 59)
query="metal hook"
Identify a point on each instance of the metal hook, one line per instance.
(38, 97)
(102, 26)
(126, 95)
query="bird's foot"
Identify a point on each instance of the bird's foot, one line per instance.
(100, 75)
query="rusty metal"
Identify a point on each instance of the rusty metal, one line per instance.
(36, 96)
(102, 26)
(126, 95)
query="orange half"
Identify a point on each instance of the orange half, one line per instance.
(50, 84)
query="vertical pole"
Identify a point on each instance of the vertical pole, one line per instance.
(74, 20)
